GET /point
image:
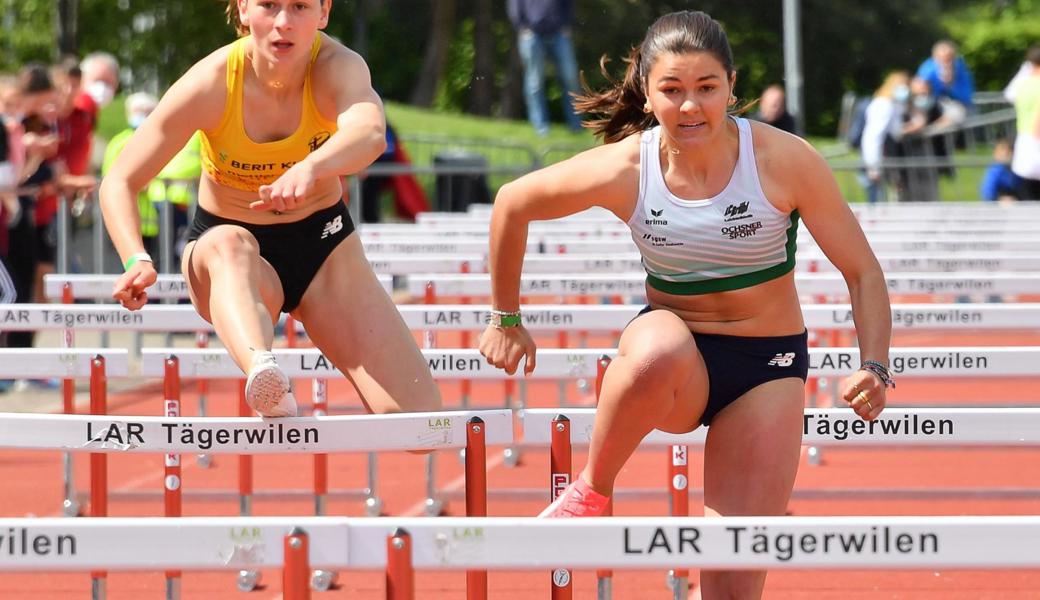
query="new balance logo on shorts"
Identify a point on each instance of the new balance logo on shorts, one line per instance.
(332, 227)
(782, 359)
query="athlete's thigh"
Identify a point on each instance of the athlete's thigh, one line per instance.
(752, 450)
(351, 318)
(198, 254)
(659, 345)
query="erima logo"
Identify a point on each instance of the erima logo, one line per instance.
(782, 359)
(332, 227)
(656, 213)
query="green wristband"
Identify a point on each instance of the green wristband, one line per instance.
(504, 320)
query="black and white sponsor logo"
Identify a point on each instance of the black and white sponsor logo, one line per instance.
(23, 541)
(653, 220)
(782, 359)
(741, 231)
(736, 212)
(131, 434)
(784, 545)
(660, 241)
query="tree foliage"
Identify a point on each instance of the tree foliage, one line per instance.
(846, 44)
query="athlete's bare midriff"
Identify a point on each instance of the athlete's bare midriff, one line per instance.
(766, 309)
(232, 203)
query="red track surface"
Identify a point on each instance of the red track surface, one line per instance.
(32, 485)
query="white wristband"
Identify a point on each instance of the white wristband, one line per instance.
(137, 257)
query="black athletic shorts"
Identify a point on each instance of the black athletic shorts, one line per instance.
(736, 364)
(296, 250)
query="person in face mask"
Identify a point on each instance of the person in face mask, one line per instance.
(138, 107)
(98, 74)
(882, 131)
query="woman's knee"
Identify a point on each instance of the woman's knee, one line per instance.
(657, 351)
(226, 245)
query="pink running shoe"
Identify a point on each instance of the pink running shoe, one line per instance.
(267, 388)
(578, 500)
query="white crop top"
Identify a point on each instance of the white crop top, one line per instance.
(734, 240)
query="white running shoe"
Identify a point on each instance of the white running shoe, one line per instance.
(267, 389)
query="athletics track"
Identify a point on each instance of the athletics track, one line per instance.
(841, 486)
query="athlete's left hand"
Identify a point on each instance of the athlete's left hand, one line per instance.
(865, 393)
(288, 191)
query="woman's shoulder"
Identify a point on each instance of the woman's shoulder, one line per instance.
(781, 157)
(333, 57)
(209, 74)
(777, 144)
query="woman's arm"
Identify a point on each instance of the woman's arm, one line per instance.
(606, 176)
(358, 141)
(812, 190)
(196, 101)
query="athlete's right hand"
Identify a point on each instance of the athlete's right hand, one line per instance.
(129, 289)
(506, 346)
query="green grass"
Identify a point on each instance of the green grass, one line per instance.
(411, 121)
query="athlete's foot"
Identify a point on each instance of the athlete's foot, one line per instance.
(577, 500)
(267, 388)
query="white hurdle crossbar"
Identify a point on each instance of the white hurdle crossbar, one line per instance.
(100, 286)
(537, 317)
(840, 427)
(517, 543)
(249, 435)
(553, 363)
(628, 284)
(71, 363)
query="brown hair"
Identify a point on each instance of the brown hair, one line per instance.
(620, 107)
(233, 20)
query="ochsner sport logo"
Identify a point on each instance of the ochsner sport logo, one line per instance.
(741, 231)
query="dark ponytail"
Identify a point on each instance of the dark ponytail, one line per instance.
(619, 111)
(620, 108)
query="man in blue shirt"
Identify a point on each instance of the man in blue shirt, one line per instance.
(544, 27)
(948, 74)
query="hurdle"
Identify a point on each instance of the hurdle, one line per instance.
(68, 364)
(537, 317)
(633, 284)
(401, 547)
(172, 435)
(99, 287)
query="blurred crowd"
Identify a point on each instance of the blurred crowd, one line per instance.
(48, 153)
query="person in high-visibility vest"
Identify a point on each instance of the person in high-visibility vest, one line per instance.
(174, 183)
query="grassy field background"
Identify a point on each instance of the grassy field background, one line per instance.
(512, 143)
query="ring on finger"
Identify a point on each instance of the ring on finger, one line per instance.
(870, 407)
(862, 396)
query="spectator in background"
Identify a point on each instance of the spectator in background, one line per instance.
(951, 81)
(882, 131)
(1000, 183)
(921, 112)
(544, 27)
(172, 184)
(1011, 89)
(1026, 160)
(409, 197)
(99, 82)
(772, 109)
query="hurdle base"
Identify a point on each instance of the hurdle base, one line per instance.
(662, 494)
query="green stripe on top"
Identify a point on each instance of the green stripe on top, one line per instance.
(737, 282)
